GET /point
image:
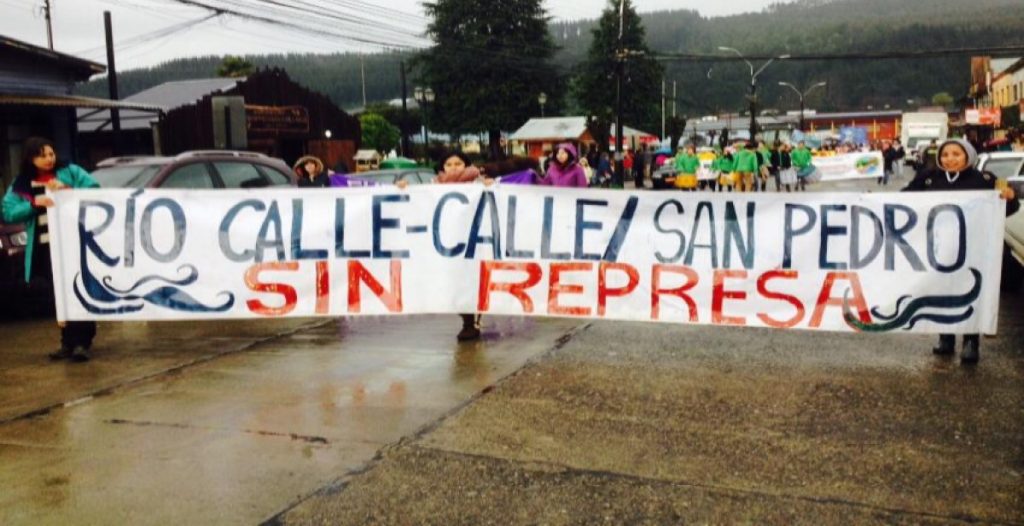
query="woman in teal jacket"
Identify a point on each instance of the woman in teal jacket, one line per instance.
(26, 202)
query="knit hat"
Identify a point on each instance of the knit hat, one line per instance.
(972, 154)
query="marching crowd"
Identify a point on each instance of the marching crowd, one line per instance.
(742, 167)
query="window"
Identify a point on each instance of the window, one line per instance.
(412, 178)
(239, 175)
(1003, 168)
(193, 175)
(276, 178)
(125, 176)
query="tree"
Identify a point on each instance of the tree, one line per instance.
(675, 127)
(393, 114)
(942, 99)
(489, 63)
(641, 86)
(234, 67)
(378, 133)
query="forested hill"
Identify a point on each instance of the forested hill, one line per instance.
(807, 26)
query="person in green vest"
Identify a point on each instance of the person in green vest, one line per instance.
(26, 202)
(726, 167)
(746, 166)
(687, 164)
(801, 158)
(764, 161)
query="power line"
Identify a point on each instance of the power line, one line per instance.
(1014, 50)
(295, 25)
(319, 11)
(143, 38)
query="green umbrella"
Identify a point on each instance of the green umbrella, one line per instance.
(398, 162)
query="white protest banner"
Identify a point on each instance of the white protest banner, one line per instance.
(926, 262)
(861, 165)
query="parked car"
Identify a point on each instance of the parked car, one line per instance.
(1003, 164)
(39, 297)
(192, 170)
(1013, 235)
(418, 175)
(664, 177)
(195, 170)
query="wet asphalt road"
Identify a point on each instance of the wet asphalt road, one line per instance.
(634, 424)
(389, 421)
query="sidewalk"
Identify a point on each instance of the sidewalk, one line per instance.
(642, 424)
(124, 353)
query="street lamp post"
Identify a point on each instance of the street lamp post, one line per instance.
(542, 99)
(803, 95)
(753, 84)
(423, 96)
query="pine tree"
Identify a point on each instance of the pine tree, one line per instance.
(489, 63)
(641, 83)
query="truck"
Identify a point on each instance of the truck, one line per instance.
(919, 129)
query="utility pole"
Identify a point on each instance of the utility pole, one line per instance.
(620, 57)
(405, 113)
(115, 114)
(362, 74)
(673, 99)
(663, 109)
(802, 95)
(753, 84)
(49, 23)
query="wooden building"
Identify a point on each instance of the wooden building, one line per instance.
(283, 119)
(265, 112)
(36, 98)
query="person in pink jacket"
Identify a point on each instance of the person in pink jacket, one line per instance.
(565, 169)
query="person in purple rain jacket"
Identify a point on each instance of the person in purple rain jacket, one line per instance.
(565, 169)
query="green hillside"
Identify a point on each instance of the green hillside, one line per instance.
(808, 26)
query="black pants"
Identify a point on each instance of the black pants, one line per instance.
(73, 333)
(77, 334)
(949, 340)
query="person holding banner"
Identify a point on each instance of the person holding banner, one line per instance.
(956, 170)
(565, 170)
(26, 202)
(687, 164)
(801, 158)
(457, 168)
(311, 173)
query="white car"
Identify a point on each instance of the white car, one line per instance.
(1003, 164)
(1010, 166)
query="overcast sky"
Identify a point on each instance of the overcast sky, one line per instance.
(78, 26)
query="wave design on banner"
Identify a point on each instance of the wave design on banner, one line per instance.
(910, 310)
(169, 295)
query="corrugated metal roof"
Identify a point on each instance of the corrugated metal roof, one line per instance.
(556, 128)
(166, 96)
(563, 128)
(86, 67)
(72, 101)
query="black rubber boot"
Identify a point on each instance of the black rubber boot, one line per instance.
(971, 353)
(61, 354)
(80, 354)
(470, 328)
(947, 345)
